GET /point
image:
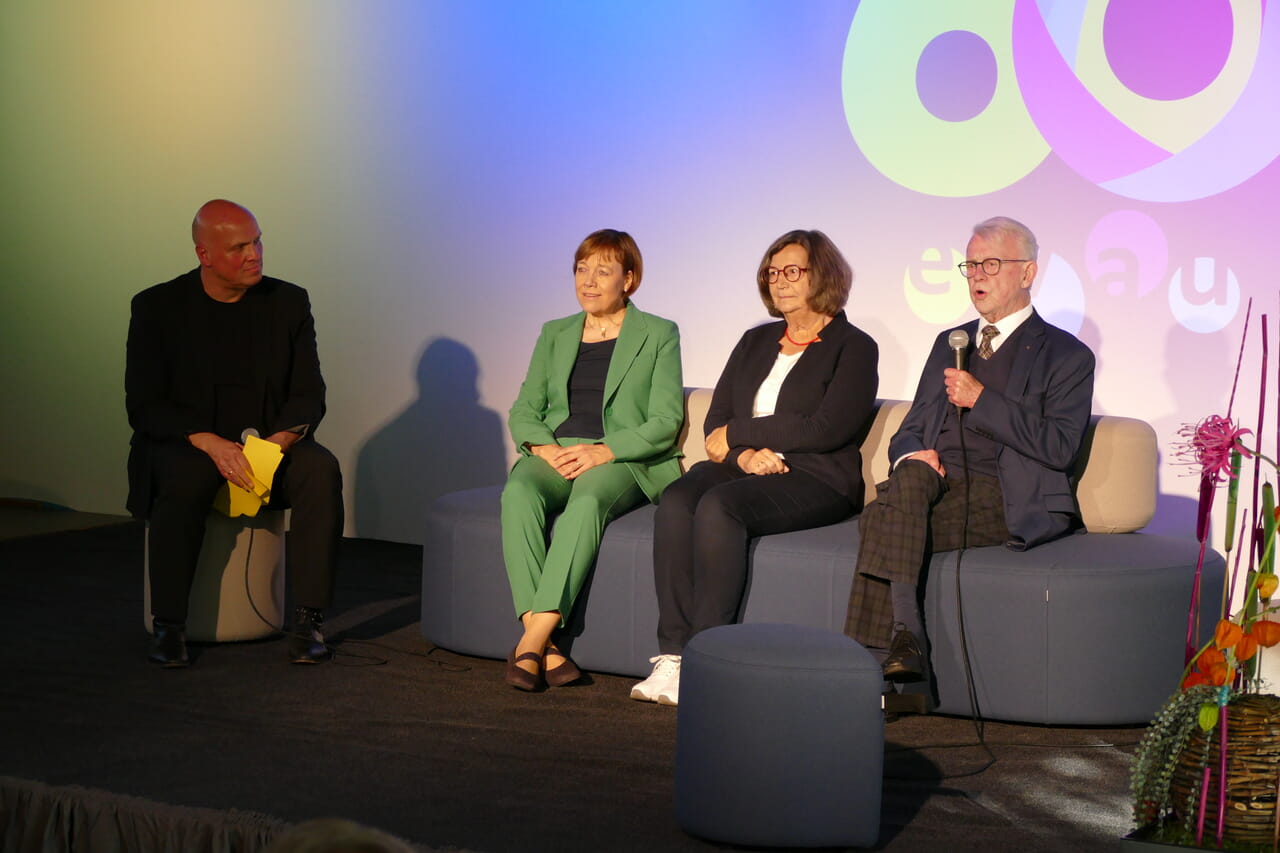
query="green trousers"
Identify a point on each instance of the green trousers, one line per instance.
(548, 578)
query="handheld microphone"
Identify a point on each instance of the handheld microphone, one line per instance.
(250, 431)
(958, 340)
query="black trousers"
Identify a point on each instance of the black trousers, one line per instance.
(704, 524)
(308, 482)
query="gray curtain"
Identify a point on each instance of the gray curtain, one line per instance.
(39, 818)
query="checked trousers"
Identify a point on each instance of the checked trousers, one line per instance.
(916, 513)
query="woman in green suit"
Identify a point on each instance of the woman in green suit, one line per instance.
(596, 424)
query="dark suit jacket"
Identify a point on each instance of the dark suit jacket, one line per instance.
(1039, 420)
(643, 394)
(169, 390)
(824, 405)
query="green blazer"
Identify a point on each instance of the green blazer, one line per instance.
(643, 395)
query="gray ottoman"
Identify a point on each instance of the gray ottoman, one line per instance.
(779, 738)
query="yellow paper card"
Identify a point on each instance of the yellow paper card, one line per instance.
(264, 458)
(234, 501)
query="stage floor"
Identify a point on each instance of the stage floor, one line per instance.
(432, 746)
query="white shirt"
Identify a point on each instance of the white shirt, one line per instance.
(1007, 326)
(767, 394)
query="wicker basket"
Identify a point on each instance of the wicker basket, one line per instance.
(1253, 767)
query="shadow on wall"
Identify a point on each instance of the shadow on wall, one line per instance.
(442, 442)
(1175, 514)
(1185, 354)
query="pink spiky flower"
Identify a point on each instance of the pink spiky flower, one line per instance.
(1208, 445)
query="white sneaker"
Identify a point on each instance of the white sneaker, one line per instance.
(665, 668)
(670, 694)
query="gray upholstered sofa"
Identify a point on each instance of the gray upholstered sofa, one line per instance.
(1088, 629)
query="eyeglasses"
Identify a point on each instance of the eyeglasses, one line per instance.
(791, 272)
(990, 266)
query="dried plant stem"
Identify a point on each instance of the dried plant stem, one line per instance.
(1275, 832)
(1228, 579)
(1262, 406)
(1200, 813)
(1222, 769)
(1244, 335)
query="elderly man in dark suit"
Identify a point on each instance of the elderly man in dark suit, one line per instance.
(994, 443)
(212, 354)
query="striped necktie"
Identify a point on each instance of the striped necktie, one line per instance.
(984, 349)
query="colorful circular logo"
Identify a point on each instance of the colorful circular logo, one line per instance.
(899, 134)
(936, 292)
(1206, 298)
(1159, 100)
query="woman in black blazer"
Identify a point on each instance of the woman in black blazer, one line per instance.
(782, 440)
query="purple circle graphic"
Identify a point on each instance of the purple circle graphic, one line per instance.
(1167, 49)
(956, 75)
(1127, 251)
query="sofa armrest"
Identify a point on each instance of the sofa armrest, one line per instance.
(692, 443)
(1116, 485)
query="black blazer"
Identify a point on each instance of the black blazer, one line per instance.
(1039, 421)
(169, 390)
(824, 406)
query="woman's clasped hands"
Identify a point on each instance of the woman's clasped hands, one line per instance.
(762, 461)
(574, 460)
(752, 461)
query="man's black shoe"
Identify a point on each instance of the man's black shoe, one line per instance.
(306, 643)
(168, 646)
(906, 659)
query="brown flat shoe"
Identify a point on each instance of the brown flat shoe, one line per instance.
(522, 679)
(565, 673)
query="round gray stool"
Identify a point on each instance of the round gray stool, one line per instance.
(779, 738)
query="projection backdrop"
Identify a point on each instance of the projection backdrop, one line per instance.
(426, 170)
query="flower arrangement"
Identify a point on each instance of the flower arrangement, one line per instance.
(1188, 767)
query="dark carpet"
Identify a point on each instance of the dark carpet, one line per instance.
(432, 746)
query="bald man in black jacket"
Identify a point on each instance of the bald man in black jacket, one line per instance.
(215, 352)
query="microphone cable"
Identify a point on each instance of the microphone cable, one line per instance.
(979, 724)
(959, 340)
(293, 632)
(248, 589)
(280, 629)
(373, 660)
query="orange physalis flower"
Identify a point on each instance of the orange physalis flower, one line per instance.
(1266, 632)
(1221, 674)
(1195, 679)
(1246, 648)
(1208, 658)
(1227, 634)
